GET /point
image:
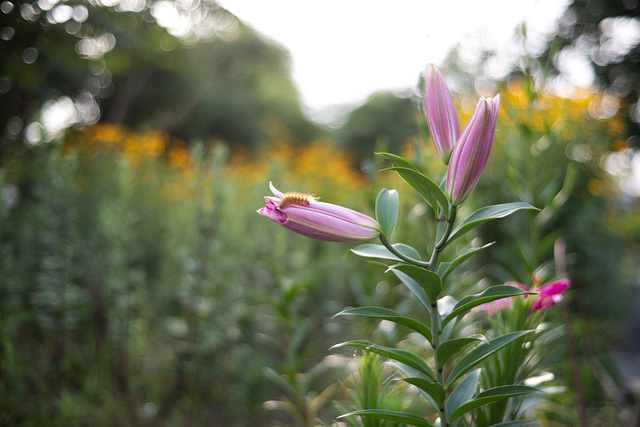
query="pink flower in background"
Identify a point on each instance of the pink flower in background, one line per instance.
(549, 295)
(441, 114)
(303, 214)
(471, 153)
(501, 304)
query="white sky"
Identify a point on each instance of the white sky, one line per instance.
(344, 50)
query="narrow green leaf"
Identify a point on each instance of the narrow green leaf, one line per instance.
(451, 347)
(343, 410)
(398, 161)
(433, 389)
(428, 280)
(485, 214)
(387, 210)
(403, 417)
(402, 356)
(370, 250)
(429, 190)
(415, 288)
(475, 356)
(390, 315)
(279, 381)
(517, 423)
(492, 395)
(490, 294)
(409, 372)
(445, 268)
(463, 391)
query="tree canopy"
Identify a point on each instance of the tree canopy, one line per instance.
(189, 68)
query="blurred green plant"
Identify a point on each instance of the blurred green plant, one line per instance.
(374, 386)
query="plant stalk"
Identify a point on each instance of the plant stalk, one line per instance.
(436, 331)
(435, 313)
(439, 247)
(400, 255)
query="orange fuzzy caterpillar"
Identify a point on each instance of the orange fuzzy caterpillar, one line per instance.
(295, 199)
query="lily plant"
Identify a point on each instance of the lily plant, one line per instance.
(449, 379)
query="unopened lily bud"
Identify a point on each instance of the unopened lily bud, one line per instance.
(441, 114)
(471, 153)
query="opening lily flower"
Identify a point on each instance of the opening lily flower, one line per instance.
(305, 215)
(441, 114)
(471, 153)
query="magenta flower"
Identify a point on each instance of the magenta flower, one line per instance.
(323, 221)
(441, 114)
(471, 153)
(549, 295)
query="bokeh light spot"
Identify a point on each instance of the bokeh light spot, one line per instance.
(30, 55)
(14, 125)
(6, 7)
(7, 33)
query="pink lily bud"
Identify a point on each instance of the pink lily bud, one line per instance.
(470, 155)
(441, 114)
(549, 295)
(303, 214)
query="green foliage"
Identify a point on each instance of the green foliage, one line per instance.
(125, 296)
(369, 391)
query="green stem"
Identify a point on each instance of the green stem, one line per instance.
(439, 247)
(435, 314)
(402, 256)
(436, 331)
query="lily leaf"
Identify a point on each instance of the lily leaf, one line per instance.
(390, 315)
(415, 289)
(370, 250)
(490, 294)
(429, 190)
(445, 268)
(433, 389)
(516, 423)
(475, 356)
(428, 280)
(387, 210)
(398, 161)
(451, 347)
(399, 355)
(403, 417)
(492, 395)
(463, 391)
(485, 214)
(409, 372)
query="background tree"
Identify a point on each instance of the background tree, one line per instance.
(193, 70)
(607, 34)
(385, 121)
